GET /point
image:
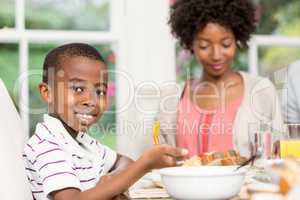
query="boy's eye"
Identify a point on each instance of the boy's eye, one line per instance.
(77, 89)
(100, 92)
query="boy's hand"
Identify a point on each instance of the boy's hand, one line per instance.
(162, 156)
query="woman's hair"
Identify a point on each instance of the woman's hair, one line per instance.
(188, 17)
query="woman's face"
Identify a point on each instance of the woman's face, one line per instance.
(214, 47)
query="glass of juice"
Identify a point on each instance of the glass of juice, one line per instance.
(290, 146)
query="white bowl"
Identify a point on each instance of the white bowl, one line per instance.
(203, 182)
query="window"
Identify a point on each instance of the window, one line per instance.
(67, 14)
(279, 17)
(9, 67)
(7, 14)
(273, 59)
(47, 24)
(277, 30)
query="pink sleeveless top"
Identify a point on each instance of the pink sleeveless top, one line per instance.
(202, 131)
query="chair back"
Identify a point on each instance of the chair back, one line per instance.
(13, 181)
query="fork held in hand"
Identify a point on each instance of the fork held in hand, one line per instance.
(156, 132)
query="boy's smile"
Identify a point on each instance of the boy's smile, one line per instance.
(79, 95)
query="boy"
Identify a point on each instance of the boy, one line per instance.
(62, 161)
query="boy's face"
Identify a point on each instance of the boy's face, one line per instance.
(79, 94)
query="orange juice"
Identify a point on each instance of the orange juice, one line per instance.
(290, 148)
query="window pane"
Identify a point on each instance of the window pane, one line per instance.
(37, 54)
(7, 13)
(186, 65)
(9, 67)
(104, 130)
(274, 59)
(279, 17)
(68, 14)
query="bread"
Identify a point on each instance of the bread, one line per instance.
(289, 175)
(230, 157)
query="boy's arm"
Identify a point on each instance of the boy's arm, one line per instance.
(157, 157)
(121, 163)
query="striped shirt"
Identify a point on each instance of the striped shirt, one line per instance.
(54, 160)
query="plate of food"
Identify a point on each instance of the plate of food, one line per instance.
(231, 157)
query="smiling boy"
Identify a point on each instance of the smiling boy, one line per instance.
(62, 161)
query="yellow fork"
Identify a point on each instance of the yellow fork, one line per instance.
(156, 132)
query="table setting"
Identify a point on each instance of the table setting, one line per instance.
(227, 175)
(216, 182)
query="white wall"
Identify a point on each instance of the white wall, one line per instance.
(146, 54)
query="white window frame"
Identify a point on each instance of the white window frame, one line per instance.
(258, 41)
(23, 37)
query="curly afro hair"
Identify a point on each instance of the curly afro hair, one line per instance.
(188, 17)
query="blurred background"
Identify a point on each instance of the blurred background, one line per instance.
(133, 37)
(278, 20)
(58, 15)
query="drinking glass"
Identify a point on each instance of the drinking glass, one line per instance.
(290, 146)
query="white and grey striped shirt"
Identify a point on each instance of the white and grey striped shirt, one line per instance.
(54, 160)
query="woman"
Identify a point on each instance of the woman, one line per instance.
(216, 111)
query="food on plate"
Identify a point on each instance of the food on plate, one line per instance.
(193, 161)
(289, 172)
(230, 157)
